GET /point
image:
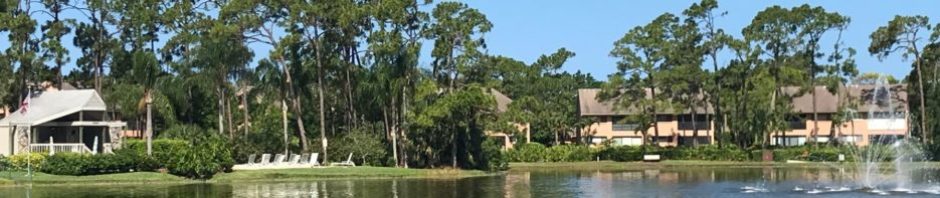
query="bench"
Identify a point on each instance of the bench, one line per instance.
(651, 158)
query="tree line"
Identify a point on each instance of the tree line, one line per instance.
(346, 75)
(663, 66)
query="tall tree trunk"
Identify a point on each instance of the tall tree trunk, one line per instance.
(228, 114)
(284, 126)
(920, 86)
(149, 101)
(694, 126)
(655, 114)
(246, 115)
(320, 70)
(221, 111)
(403, 123)
(718, 120)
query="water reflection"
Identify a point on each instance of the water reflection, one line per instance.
(668, 182)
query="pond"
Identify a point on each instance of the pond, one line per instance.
(663, 182)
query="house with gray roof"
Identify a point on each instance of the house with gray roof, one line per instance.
(61, 121)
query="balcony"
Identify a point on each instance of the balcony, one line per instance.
(59, 147)
(703, 125)
(625, 127)
(796, 125)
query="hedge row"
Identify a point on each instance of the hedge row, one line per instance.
(201, 159)
(534, 152)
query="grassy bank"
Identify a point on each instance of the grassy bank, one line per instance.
(344, 173)
(9, 178)
(13, 178)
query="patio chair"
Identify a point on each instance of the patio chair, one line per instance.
(265, 159)
(348, 162)
(279, 159)
(294, 159)
(304, 158)
(251, 159)
(314, 157)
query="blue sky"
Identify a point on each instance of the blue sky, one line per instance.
(526, 29)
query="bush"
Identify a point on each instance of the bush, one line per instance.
(364, 142)
(529, 152)
(123, 160)
(202, 160)
(495, 158)
(66, 164)
(34, 160)
(534, 152)
(621, 153)
(164, 150)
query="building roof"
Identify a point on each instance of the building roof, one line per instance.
(502, 101)
(50, 105)
(826, 102)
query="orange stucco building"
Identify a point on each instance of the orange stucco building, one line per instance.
(880, 116)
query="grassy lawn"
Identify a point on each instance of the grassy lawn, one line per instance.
(138, 177)
(341, 173)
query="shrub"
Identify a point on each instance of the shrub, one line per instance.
(495, 158)
(5, 163)
(164, 150)
(529, 152)
(33, 160)
(366, 145)
(569, 153)
(66, 164)
(621, 153)
(123, 160)
(202, 160)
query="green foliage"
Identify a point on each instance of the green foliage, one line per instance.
(535, 152)
(121, 161)
(496, 159)
(364, 142)
(66, 164)
(621, 153)
(164, 150)
(203, 159)
(23, 160)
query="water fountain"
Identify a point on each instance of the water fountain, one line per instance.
(889, 165)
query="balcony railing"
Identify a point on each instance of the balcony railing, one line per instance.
(59, 147)
(703, 125)
(625, 127)
(796, 125)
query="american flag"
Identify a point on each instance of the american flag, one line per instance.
(24, 106)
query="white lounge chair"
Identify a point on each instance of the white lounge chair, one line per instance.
(348, 162)
(265, 159)
(294, 159)
(304, 158)
(251, 159)
(279, 159)
(314, 157)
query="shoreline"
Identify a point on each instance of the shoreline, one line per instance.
(273, 175)
(366, 172)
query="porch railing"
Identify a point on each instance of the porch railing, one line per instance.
(60, 147)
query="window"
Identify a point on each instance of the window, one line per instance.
(796, 123)
(620, 123)
(701, 122)
(689, 141)
(598, 140)
(628, 141)
(850, 138)
(789, 140)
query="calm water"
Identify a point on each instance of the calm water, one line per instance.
(695, 182)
